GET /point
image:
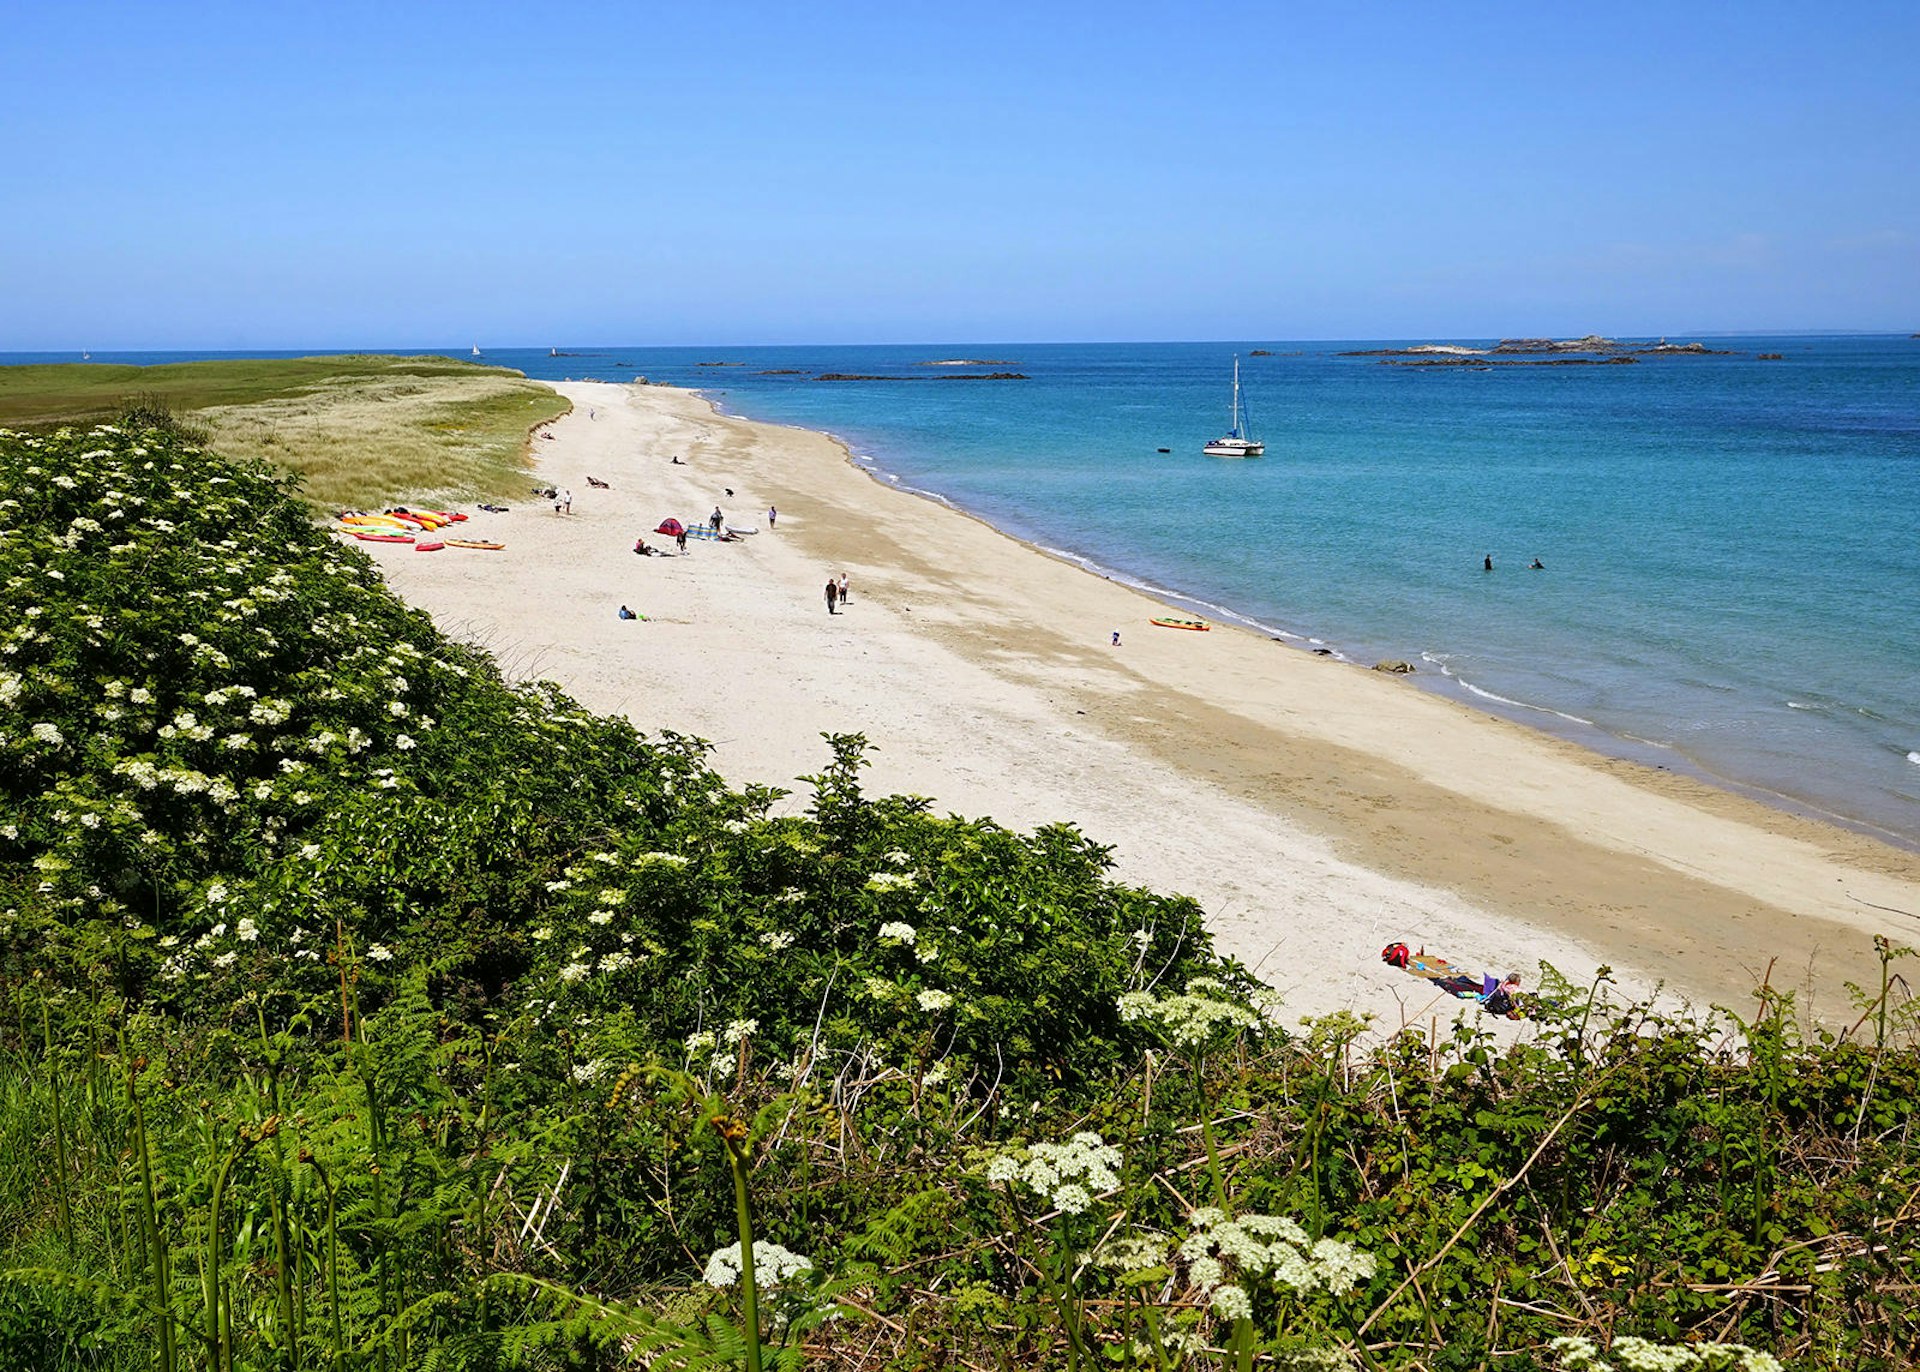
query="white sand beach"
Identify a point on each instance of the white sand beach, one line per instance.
(1317, 810)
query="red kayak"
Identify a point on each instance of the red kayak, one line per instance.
(428, 547)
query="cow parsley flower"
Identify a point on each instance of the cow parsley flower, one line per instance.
(1206, 1008)
(905, 933)
(934, 1001)
(379, 952)
(772, 1265)
(1067, 1175)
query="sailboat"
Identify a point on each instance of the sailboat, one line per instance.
(476, 350)
(1234, 443)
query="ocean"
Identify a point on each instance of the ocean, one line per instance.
(1731, 545)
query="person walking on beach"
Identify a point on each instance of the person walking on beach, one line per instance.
(716, 519)
(566, 501)
(773, 517)
(833, 594)
(681, 539)
(845, 594)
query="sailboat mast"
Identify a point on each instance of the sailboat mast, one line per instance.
(1234, 428)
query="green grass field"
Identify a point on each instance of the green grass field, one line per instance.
(360, 429)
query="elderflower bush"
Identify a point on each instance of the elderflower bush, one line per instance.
(203, 705)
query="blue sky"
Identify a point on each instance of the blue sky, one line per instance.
(240, 176)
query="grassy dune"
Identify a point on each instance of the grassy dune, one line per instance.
(359, 429)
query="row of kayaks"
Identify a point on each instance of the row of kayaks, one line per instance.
(405, 526)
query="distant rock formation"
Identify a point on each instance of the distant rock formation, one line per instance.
(1483, 365)
(953, 376)
(783, 371)
(1259, 352)
(1770, 357)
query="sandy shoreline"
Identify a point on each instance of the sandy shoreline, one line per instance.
(1315, 809)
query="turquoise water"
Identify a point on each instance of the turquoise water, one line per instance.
(1732, 546)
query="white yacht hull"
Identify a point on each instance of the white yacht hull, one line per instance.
(1234, 449)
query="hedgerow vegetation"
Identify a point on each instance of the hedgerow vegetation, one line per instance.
(365, 1010)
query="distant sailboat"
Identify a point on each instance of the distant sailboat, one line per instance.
(553, 352)
(1234, 443)
(476, 350)
(85, 356)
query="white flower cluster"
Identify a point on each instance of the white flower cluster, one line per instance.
(777, 939)
(890, 881)
(772, 1265)
(1632, 1354)
(1068, 1175)
(1204, 1009)
(659, 860)
(1271, 1248)
(893, 929)
(722, 1048)
(934, 1001)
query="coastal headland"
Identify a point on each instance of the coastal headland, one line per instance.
(1315, 809)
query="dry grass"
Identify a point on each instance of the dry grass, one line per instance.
(370, 441)
(361, 430)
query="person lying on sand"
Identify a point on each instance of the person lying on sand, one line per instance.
(598, 484)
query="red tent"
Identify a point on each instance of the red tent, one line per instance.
(672, 528)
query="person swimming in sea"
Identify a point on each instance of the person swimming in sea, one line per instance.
(1489, 562)
(1536, 566)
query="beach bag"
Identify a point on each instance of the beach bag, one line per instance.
(1395, 954)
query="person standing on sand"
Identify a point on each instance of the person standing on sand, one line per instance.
(716, 519)
(566, 500)
(833, 594)
(845, 595)
(681, 539)
(773, 517)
